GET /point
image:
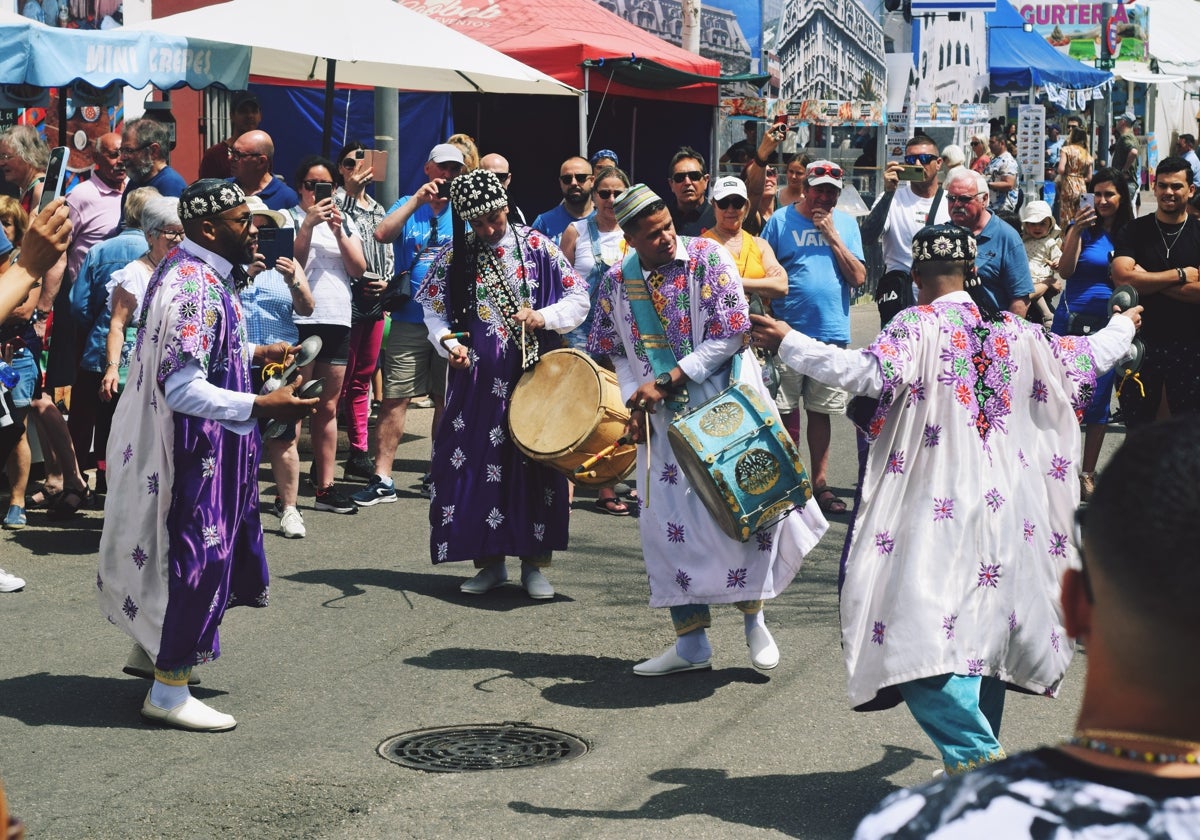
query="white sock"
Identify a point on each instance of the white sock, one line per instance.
(694, 646)
(752, 620)
(168, 696)
(386, 481)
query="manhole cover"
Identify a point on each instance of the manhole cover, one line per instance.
(484, 746)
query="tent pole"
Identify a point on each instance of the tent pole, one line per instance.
(387, 126)
(327, 124)
(583, 115)
(633, 144)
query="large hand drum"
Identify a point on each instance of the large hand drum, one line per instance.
(740, 461)
(568, 410)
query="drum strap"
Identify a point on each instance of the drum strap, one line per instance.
(650, 328)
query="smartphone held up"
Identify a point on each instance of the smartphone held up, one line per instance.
(56, 173)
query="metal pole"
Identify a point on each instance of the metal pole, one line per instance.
(327, 123)
(583, 115)
(1106, 118)
(387, 128)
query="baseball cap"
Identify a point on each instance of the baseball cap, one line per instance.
(728, 186)
(1128, 117)
(605, 153)
(242, 97)
(823, 172)
(446, 153)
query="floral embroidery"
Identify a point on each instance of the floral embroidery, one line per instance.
(208, 466)
(989, 575)
(458, 423)
(975, 667)
(675, 532)
(447, 514)
(99, 582)
(994, 499)
(1028, 527)
(129, 608)
(127, 454)
(916, 392)
(443, 551)
(210, 535)
(152, 484)
(670, 473)
(933, 435)
(539, 531)
(943, 509)
(494, 518)
(877, 632)
(1022, 459)
(1040, 392)
(139, 556)
(458, 458)
(885, 543)
(1055, 639)
(499, 388)
(683, 579)
(548, 496)
(493, 473)
(895, 464)
(1058, 468)
(496, 435)
(765, 540)
(1012, 620)
(735, 579)
(948, 622)
(1058, 544)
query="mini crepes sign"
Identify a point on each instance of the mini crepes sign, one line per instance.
(129, 60)
(458, 13)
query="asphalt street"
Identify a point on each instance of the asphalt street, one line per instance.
(365, 639)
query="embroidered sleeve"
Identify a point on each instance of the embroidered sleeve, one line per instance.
(894, 350)
(604, 337)
(192, 320)
(726, 312)
(1074, 353)
(432, 294)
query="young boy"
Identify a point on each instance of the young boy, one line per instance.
(1043, 248)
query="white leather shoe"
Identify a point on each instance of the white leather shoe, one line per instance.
(669, 662)
(139, 664)
(764, 653)
(536, 585)
(486, 580)
(191, 714)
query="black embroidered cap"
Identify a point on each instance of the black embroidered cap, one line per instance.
(946, 243)
(477, 193)
(209, 197)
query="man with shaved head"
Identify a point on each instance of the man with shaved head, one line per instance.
(575, 181)
(250, 160)
(498, 165)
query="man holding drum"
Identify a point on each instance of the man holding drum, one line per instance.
(951, 590)
(495, 300)
(691, 287)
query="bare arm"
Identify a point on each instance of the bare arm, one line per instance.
(43, 244)
(1019, 306)
(1073, 241)
(51, 283)
(567, 244)
(775, 284)
(853, 269)
(123, 304)
(354, 260)
(392, 226)
(1125, 270)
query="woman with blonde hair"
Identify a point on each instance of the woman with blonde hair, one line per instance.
(979, 149)
(466, 145)
(1074, 169)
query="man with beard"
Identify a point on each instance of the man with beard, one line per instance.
(688, 179)
(145, 151)
(1158, 255)
(1001, 262)
(186, 543)
(575, 181)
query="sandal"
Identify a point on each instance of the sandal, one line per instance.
(68, 504)
(613, 506)
(43, 497)
(829, 502)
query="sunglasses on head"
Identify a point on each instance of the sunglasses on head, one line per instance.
(924, 159)
(823, 170)
(962, 199)
(689, 175)
(607, 194)
(311, 184)
(734, 201)
(578, 178)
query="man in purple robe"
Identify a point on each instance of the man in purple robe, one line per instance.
(488, 500)
(182, 540)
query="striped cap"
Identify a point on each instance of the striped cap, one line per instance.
(633, 202)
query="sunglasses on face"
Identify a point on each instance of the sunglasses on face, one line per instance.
(311, 184)
(690, 175)
(770, 172)
(578, 178)
(734, 201)
(607, 194)
(234, 154)
(823, 170)
(503, 176)
(922, 159)
(961, 199)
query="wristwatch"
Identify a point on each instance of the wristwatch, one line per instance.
(663, 380)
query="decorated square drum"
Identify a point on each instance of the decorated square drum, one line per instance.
(740, 461)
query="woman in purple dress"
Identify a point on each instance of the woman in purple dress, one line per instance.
(495, 300)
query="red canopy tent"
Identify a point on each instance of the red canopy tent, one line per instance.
(558, 36)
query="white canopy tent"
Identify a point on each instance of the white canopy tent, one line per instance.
(1176, 85)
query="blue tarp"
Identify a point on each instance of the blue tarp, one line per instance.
(45, 56)
(1021, 60)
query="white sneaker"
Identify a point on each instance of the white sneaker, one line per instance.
(291, 524)
(10, 583)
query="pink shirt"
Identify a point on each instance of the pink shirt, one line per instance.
(95, 209)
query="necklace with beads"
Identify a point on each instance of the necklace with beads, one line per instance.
(1174, 750)
(1174, 235)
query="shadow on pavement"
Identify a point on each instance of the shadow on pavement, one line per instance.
(586, 682)
(78, 536)
(353, 582)
(45, 699)
(810, 805)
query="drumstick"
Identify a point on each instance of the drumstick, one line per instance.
(458, 336)
(585, 470)
(523, 344)
(646, 483)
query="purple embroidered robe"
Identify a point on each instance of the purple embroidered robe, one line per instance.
(182, 540)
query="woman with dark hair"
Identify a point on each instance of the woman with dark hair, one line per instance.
(495, 300)
(329, 248)
(1083, 308)
(366, 302)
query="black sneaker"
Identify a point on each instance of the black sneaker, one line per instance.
(359, 465)
(334, 501)
(427, 485)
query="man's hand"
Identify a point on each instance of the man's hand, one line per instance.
(891, 176)
(766, 332)
(46, 239)
(459, 358)
(1133, 314)
(823, 221)
(282, 403)
(530, 319)
(278, 353)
